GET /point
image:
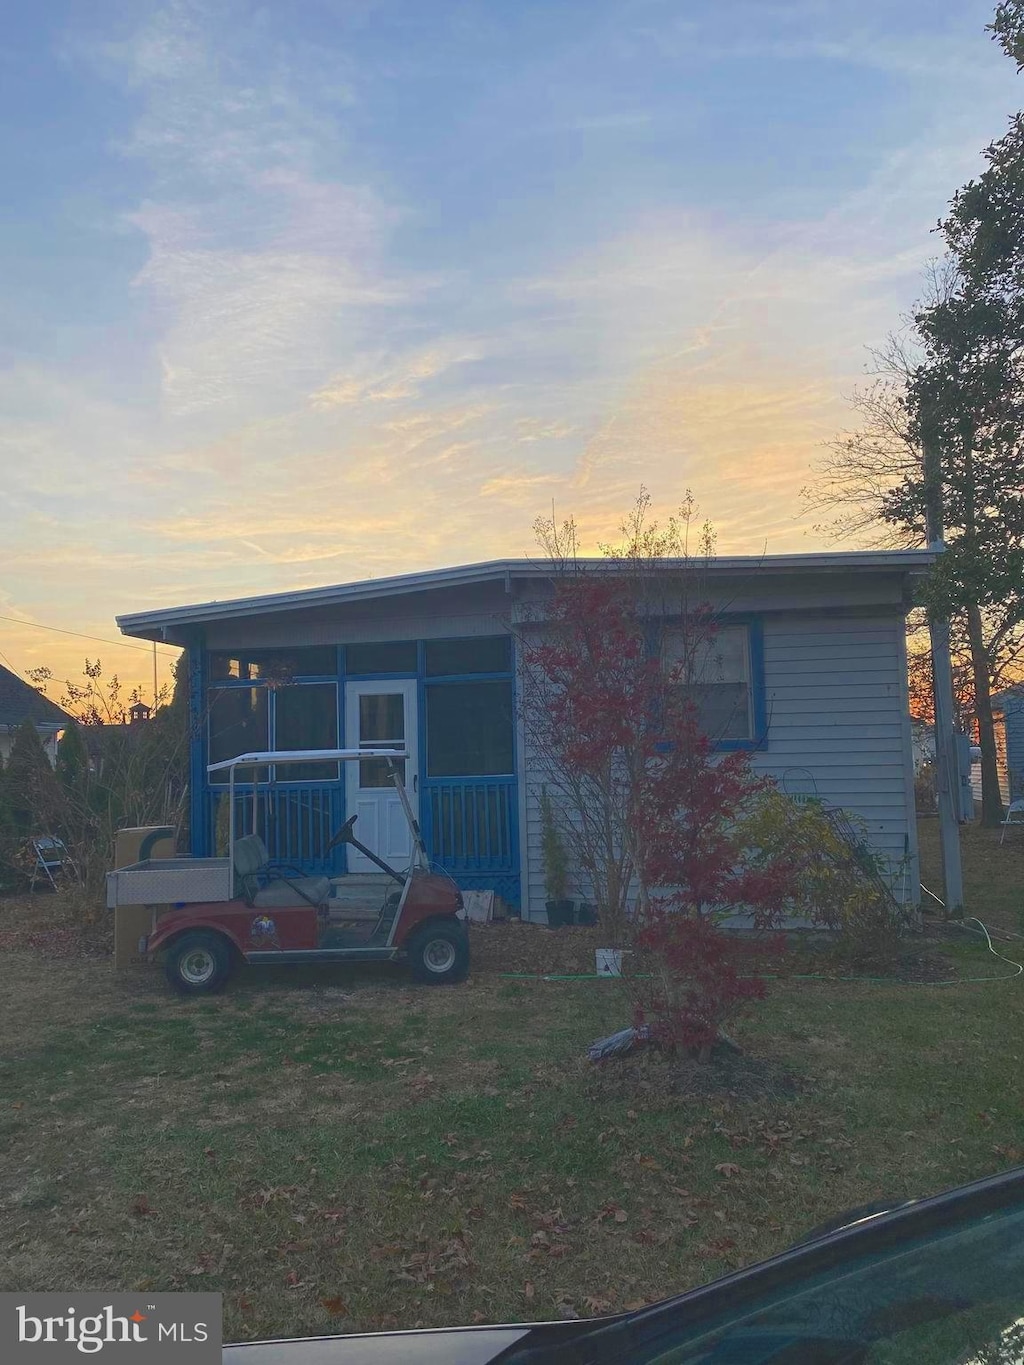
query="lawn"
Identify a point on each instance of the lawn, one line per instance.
(993, 872)
(338, 1151)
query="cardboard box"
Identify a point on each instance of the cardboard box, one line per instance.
(142, 842)
(133, 922)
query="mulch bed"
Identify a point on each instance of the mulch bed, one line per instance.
(48, 925)
(512, 947)
(534, 949)
(728, 1075)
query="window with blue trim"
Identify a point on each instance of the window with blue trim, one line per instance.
(716, 675)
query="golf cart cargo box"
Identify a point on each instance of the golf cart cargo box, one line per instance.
(170, 881)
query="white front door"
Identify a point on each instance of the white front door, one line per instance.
(380, 715)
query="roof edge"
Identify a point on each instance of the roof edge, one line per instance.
(150, 624)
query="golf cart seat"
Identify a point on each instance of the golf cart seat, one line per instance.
(265, 889)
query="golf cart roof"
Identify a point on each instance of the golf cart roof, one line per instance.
(302, 756)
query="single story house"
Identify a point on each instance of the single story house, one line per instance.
(815, 680)
(19, 701)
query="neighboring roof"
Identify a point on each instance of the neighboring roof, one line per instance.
(151, 625)
(1014, 693)
(20, 701)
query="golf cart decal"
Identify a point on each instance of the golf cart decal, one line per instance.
(263, 932)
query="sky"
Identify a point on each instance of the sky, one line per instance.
(303, 293)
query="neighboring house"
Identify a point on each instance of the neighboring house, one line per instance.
(815, 679)
(1008, 718)
(19, 701)
(99, 740)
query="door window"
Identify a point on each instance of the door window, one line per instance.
(381, 726)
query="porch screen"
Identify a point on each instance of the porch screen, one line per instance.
(306, 717)
(470, 731)
(238, 725)
(718, 679)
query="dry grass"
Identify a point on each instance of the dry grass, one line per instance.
(336, 1150)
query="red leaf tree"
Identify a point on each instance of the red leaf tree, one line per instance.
(651, 811)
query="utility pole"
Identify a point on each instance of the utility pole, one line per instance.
(946, 760)
(155, 686)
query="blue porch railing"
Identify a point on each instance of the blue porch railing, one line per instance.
(469, 823)
(296, 820)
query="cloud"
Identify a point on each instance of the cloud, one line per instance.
(260, 265)
(388, 381)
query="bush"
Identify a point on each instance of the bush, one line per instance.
(926, 790)
(838, 880)
(136, 776)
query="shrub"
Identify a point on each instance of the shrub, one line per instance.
(838, 880)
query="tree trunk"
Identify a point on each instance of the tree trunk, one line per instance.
(991, 798)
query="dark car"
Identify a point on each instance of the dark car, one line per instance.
(937, 1281)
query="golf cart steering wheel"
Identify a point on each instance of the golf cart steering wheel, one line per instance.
(344, 834)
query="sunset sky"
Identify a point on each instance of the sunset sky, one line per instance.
(297, 293)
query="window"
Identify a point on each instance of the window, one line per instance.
(489, 655)
(470, 730)
(381, 726)
(273, 664)
(238, 725)
(393, 656)
(717, 678)
(306, 717)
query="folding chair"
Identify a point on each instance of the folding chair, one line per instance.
(51, 859)
(1014, 816)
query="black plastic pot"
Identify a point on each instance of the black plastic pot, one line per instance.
(560, 913)
(586, 913)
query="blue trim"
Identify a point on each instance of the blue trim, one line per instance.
(433, 678)
(471, 781)
(406, 676)
(758, 697)
(198, 794)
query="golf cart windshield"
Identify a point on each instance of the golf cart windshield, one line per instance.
(281, 757)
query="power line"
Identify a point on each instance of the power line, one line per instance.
(59, 630)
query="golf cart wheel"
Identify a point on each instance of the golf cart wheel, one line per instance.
(439, 954)
(198, 964)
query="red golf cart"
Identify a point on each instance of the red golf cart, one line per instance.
(211, 913)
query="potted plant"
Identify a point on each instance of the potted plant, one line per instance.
(556, 867)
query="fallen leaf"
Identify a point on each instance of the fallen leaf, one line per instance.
(528, 1290)
(728, 1169)
(141, 1207)
(335, 1306)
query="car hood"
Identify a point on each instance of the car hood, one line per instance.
(440, 1346)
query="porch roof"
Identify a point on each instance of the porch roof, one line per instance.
(164, 623)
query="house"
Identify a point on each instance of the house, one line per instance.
(815, 677)
(1008, 718)
(19, 701)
